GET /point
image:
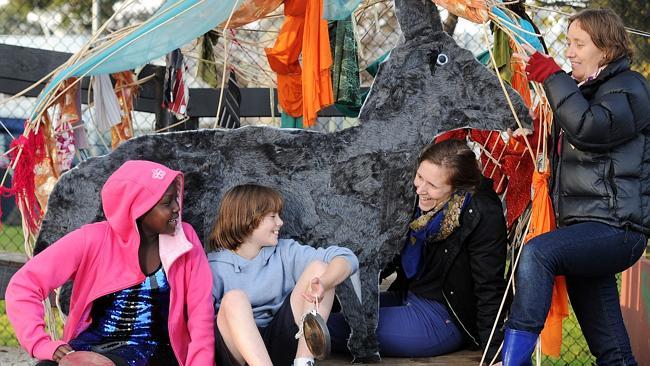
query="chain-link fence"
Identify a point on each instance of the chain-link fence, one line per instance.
(66, 26)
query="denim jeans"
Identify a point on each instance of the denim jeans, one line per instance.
(589, 254)
(411, 327)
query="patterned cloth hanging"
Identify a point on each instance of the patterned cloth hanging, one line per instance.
(65, 149)
(126, 89)
(69, 113)
(107, 107)
(45, 172)
(345, 68)
(175, 91)
(206, 69)
(230, 104)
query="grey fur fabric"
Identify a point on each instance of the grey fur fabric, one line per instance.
(351, 188)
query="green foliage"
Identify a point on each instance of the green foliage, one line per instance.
(7, 335)
(635, 14)
(76, 19)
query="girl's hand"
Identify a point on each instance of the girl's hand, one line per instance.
(60, 352)
(314, 291)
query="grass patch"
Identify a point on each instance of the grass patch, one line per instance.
(7, 336)
(11, 239)
(574, 347)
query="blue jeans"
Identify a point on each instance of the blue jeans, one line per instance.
(411, 327)
(589, 254)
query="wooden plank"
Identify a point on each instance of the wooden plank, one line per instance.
(20, 67)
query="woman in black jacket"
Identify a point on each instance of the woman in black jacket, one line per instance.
(600, 190)
(450, 274)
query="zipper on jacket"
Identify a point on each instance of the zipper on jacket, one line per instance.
(459, 321)
(610, 179)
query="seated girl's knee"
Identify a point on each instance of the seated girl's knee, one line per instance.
(234, 299)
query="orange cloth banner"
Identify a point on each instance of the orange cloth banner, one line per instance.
(126, 89)
(473, 10)
(303, 91)
(542, 220)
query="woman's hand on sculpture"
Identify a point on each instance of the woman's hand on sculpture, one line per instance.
(525, 56)
(521, 131)
(539, 66)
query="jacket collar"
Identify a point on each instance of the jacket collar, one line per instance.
(171, 247)
(615, 67)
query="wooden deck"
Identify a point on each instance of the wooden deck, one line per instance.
(461, 358)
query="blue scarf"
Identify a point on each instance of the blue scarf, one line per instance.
(438, 223)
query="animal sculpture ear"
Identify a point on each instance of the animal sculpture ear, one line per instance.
(409, 14)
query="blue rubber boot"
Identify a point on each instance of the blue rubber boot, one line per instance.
(518, 346)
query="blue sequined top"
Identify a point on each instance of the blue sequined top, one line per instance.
(132, 324)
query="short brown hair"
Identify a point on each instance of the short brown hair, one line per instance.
(240, 212)
(606, 30)
(454, 155)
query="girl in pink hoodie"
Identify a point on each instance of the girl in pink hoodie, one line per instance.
(142, 284)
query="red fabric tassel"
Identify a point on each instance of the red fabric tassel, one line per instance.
(33, 152)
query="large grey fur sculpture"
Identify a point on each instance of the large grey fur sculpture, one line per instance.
(351, 188)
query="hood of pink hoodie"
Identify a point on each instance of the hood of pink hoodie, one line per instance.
(132, 190)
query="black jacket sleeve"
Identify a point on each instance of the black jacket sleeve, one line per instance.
(605, 121)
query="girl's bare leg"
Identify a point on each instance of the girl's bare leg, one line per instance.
(239, 331)
(300, 306)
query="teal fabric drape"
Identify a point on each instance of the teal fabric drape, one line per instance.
(176, 23)
(339, 9)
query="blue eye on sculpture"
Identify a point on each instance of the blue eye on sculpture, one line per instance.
(442, 59)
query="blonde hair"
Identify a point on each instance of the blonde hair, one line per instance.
(241, 210)
(606, 30)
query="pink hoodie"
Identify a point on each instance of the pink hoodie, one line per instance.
(102, 258)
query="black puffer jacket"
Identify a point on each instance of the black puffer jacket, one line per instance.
(473, 269)
(602, 172)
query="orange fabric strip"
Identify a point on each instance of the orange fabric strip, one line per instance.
(542, 221)
(303, 91)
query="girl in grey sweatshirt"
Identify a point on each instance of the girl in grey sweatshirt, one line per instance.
(263, 285)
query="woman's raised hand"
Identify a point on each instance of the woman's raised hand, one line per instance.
(524, 57)
(539, 66)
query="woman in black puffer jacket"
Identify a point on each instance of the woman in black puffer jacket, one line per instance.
(600, 190)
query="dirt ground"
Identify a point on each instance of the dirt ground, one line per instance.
(13, 356)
